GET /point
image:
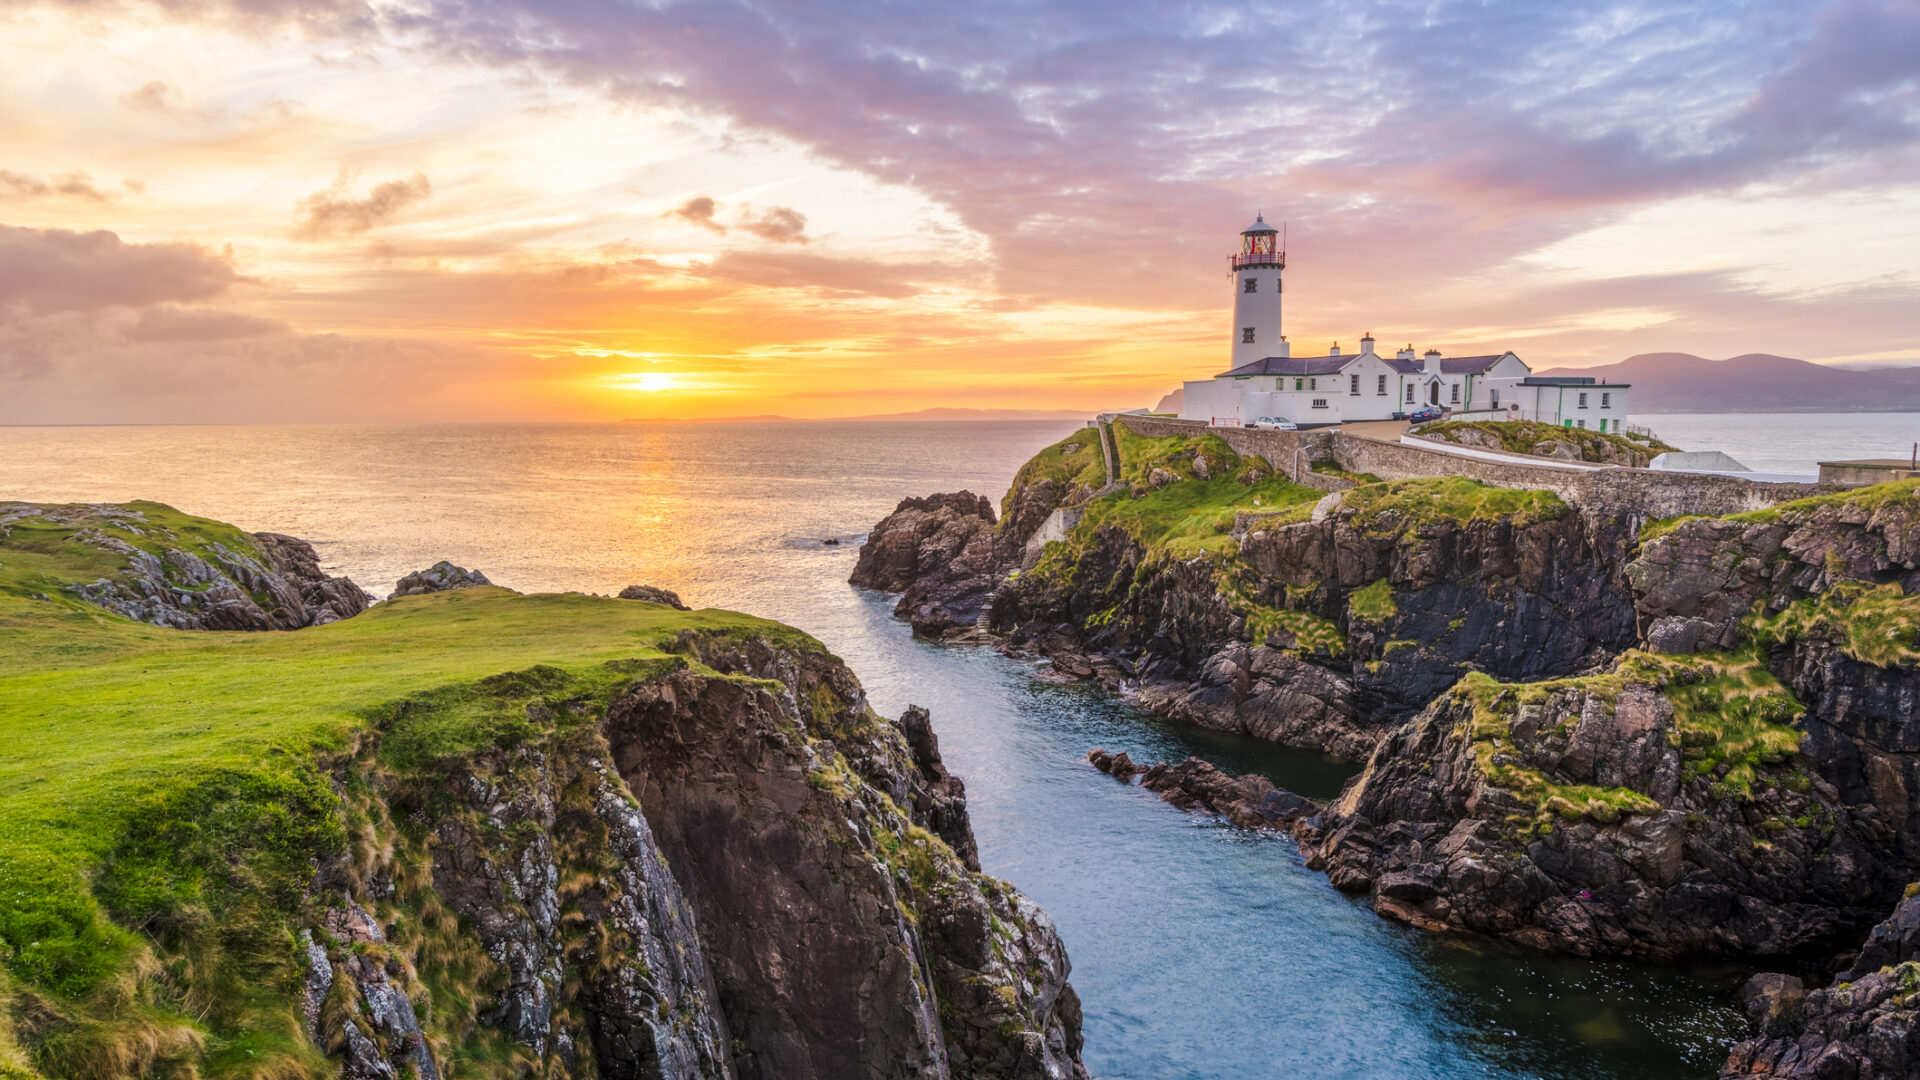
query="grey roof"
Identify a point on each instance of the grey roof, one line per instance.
(1292, 365)
(1259, 225)
(1404, 367)
(1468, 365)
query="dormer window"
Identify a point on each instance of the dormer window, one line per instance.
(1246, 335)
(1252, 285)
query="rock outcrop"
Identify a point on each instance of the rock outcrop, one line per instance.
(653, 595)
(736, 871)
(1866, 1026)
(1249, 801)
(1619, 815)
(941, 554)
(191, 574)
(442, 576)
(1326, 633)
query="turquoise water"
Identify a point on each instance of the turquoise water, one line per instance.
(1199, 951)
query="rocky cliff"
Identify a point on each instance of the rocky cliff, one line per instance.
(685, 847)
(175, 571)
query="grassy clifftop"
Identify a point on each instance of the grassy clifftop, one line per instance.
(151, 779)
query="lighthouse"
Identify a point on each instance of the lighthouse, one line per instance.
(1256, 294)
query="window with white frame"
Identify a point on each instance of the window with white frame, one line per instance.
(1456, 393)
(1319, 403)
(1353, 386)
(1493, 399)
(1380, 387)
(1409, 393)
(1582, 423)
(1313, 384)
(1582, 403)
(1606, 401)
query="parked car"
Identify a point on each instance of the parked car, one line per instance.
(1275, 423)
(1427, 415)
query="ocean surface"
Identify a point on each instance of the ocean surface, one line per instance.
(1199, 951)
(1789, 443)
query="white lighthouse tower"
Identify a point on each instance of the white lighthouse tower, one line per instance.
(1256, 294)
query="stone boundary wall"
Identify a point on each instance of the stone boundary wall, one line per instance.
(1643, 492)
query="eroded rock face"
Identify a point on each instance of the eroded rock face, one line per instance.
(1866, 1026)
(1522, 601)
(442, 576)
(742, 875)
(1637, 858)
(941, 554)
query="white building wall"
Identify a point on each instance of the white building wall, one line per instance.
(1257, 311)
(1213, 400)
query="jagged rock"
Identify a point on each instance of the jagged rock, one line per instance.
(1249, 801)
(442, 576)
(1866, 1026)
(653, 595)
(941, 553)
(1677, 634)
(1555, 448)
(1160, 478)
(1665, 866)
(190, 583)
(742, 876)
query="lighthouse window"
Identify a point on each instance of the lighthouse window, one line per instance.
(1252, 285)
(1246, 335)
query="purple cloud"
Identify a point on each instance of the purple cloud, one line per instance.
(59, 270)
(333, 213)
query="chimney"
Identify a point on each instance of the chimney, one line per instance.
(1404, 354)
(1335, 351)
(1366, 344)
(1285, 349)
(1430, 362)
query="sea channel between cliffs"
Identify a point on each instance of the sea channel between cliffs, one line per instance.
(1586, 730)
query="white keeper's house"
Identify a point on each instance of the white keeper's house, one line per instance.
(1265, 379)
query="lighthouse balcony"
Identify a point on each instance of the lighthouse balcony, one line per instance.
(1276, 259)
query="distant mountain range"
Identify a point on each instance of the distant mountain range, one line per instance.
(923, 414)
(1755, 382)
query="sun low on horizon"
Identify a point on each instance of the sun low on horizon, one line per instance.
(262, 212)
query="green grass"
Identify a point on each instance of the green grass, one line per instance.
(1076, 460)
(1902, 494)
(1393, 507)
(166, 780)
(1525, 437)
(1875, 624)
(1193, 517)
(1373, 602)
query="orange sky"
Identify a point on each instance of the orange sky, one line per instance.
(345, 212)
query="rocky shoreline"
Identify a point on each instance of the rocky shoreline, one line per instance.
(1582, 732)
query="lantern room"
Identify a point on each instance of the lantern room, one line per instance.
(1260, 246)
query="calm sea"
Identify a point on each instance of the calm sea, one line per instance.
(1200, 951)
(1790, 443)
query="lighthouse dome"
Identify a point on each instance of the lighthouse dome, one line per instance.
(1259, 226)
